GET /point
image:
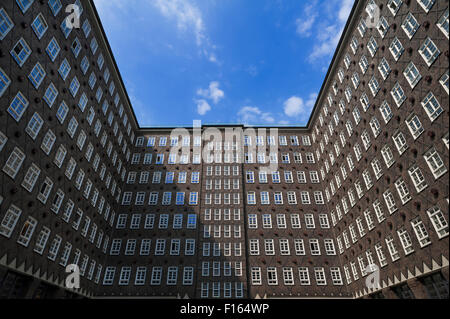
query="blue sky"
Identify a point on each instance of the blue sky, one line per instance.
(255, 62)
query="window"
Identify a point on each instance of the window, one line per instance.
(429, 51)
(108, 278)
(438, 220)
(64, 69)
(412, 74)
(443, 23)
(372, 46)
(384, 68)
(414, 125)
(34, 125)
(48, 141)
(421, 232)
(55, 6)
(402, 190)
(410, 25)
(50, 95)
(3, 140)
(405, 240)
(14, 162)
(435, 163)
(5, 81)
(444, 81)
(5, 24)
(27, 231)
(303, 274)
(20, 52)
(388, 156)
(86, 28)
(398, 94)
(383, 26)
(390, 201)
(392, 248)
(74, 86)
(37, 75)
(432, 106)
(396, 48)
(62, 112)
(39, 26)
(417, 177)
(24, 4)
(10, 220)
(319, 273)
(426, 4)
(394, 6)
(314, 246)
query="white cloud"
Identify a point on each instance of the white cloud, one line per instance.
(213, 92)
(305, 24)
(328, 29)
(344, 11)
(203, 107)
(188, 17)
(296, 107)
(293, 106)
(253, 115)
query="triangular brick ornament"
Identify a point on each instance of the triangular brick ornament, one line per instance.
(434, 265)
(444, 261)
(410, 275)
(426, 269)
(383, 284)
(257, 296)
(37, 273)
(30, 270)
(390, 282)
(21, 267)
(186, 296)
(4, 259)
(417, 271)
(402, 277)
(13, 263)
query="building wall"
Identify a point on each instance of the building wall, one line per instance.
(118, 206)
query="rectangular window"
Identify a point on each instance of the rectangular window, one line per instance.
(24, 4)
(14, 162)
(435, 163)
(21, 51)
(443, 23)
(10, 220)
(5, 24)
(27, 231)
(410, 25)
(438, 220)
(396, 48)
(429, 51)
(50, 95)
(34, 125)
(37, 75)
(55, 6)
(39, 26)
(412, 74)
(432, 106)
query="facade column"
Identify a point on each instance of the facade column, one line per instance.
(389, 293)
(32, 286)
(444, 272)
(417, 288)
